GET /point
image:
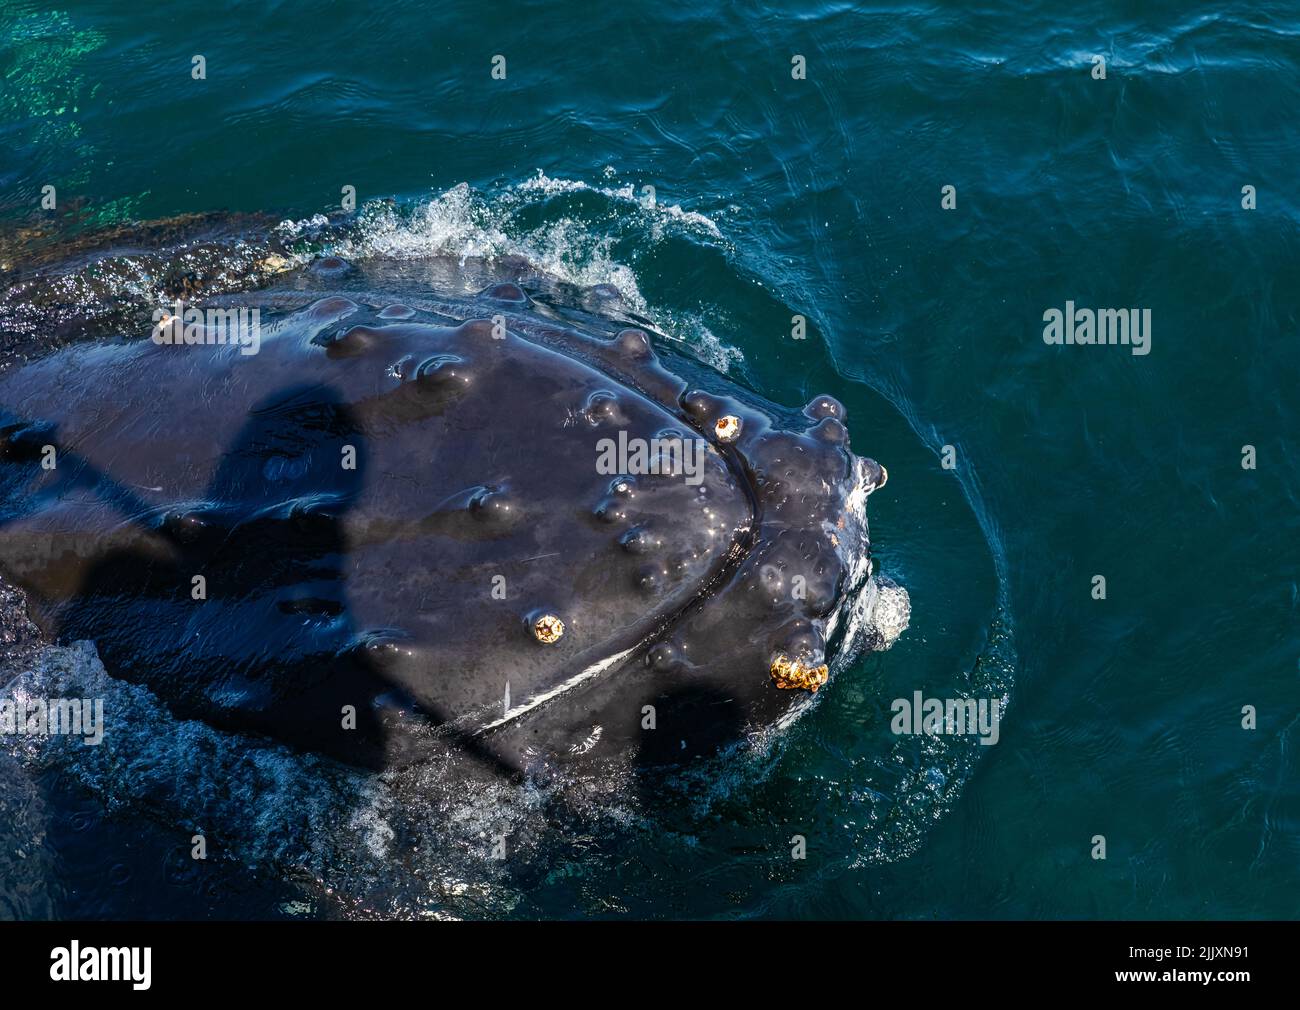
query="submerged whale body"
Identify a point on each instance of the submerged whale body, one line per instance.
(418, 522)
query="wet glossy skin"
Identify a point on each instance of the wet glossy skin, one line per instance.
(406, 586)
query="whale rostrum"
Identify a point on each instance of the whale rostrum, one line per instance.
(509, 523)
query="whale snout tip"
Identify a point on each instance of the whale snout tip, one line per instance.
(872, 475)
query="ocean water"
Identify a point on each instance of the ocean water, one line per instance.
(1019, 470)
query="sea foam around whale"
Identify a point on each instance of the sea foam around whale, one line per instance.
(465, 223)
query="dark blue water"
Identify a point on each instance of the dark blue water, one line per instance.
(775, 196)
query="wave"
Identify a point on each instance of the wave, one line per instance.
(574, 242)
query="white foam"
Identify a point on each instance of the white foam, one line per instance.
(410, 841)
(462, 223)
(656, 211)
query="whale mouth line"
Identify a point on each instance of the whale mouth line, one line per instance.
(594, 670)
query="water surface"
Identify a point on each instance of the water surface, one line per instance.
(775, 197)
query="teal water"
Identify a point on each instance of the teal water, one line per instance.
(822, 197)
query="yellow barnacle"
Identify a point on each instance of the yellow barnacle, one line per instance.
(727, 428)
(790, 674)
(547, 629)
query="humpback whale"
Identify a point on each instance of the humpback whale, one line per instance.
(392, 533)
